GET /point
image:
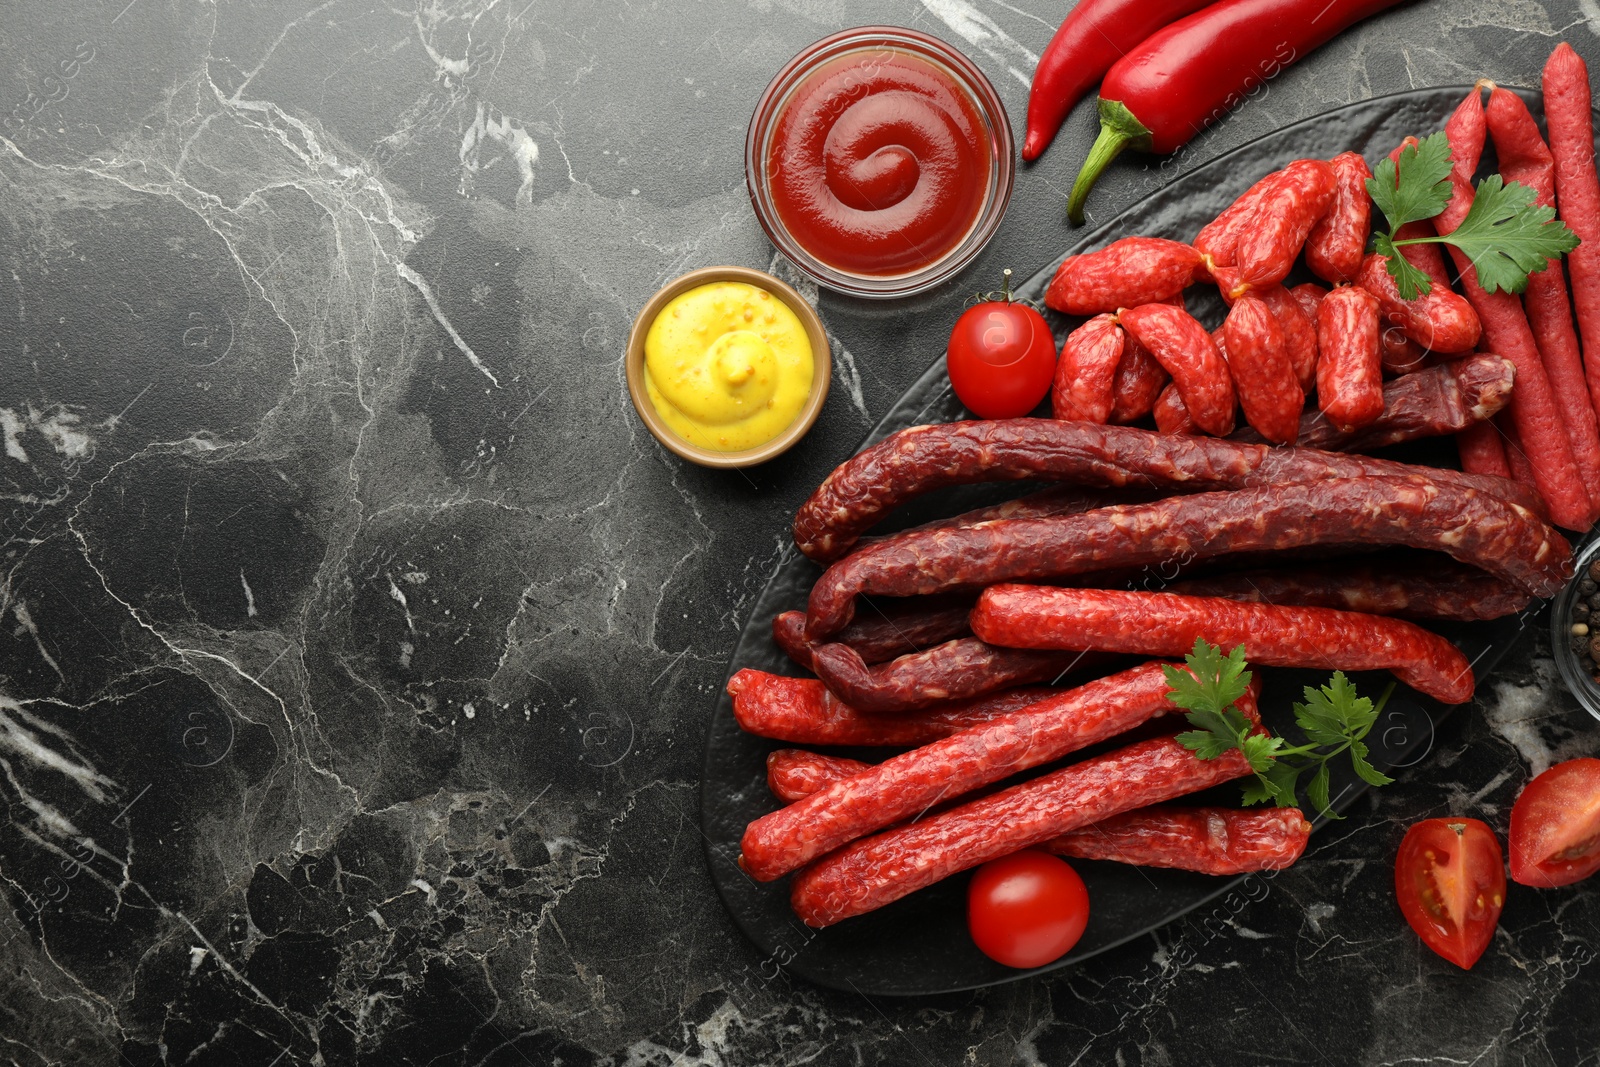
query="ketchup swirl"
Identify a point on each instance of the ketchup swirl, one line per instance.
(879, 163)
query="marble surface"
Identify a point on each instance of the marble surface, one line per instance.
(361, 642)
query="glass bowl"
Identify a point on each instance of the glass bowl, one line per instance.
(1569, 660)
(965, 75)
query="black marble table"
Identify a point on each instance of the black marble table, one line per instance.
(359, 642)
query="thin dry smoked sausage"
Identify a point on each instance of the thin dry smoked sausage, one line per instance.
(907, 464)
(801, 711)
(1475, 528)
(1274, 635)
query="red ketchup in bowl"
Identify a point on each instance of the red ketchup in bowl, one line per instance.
(879, 163)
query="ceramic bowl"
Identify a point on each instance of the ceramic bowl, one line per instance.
(821, 360)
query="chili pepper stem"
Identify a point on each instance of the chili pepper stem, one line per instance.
(1119, 129)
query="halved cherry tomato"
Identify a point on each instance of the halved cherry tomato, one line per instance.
(1001, 359)
(1451, 881)
(1555, 826)
(1026, 909)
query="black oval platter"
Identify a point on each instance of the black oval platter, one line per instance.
(919, 945)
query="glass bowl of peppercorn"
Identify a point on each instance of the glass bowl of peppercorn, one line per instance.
(1575, 628)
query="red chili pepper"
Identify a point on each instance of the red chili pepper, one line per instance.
(1188, 75)
(1094, 35)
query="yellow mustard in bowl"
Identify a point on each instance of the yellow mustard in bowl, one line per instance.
(728, 366)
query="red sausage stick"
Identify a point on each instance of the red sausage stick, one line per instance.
(1338, 242)
(1299, 333)
(955, 670)
(914, 461)
(879, 870)
(1525, 158)
(801, 711)
(1431, 403)
(1506, 332)
(1183, 347)
(905, 785)
(1134, 270)
(1566, 110)
(1268, 247)
(1349, 371)
(1475, 528)
(1086, 371)
(1439, 589)
(1258, 358)
(1204, 840)
(1029, 616)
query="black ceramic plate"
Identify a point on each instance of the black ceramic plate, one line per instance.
(919, 945)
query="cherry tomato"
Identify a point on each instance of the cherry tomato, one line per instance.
(1555, 826)
(1451, 881)
(1001, 359)
(1026, 909)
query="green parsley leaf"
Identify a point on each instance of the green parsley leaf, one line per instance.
(1317, 790)
(1364, 770)
(1281, 778)
(1508, 235)
(1409, 281)
(1421, 189)
(1257, 790)
(1206, 744)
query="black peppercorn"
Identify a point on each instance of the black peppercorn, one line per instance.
(1587, 586)
(1580, 612)
(1594, 570)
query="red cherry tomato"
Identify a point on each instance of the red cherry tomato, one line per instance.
(1555, 826)
(1026, 909)
(1451, 881)
(1001, 359)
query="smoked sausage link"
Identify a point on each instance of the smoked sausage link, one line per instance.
(904, 785)
(1503, 539)
(1275, 635)
(1125, 273)
(914, 461)
(801, 711)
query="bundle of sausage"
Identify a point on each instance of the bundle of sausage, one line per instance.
(1278, 536)
(1140, 354)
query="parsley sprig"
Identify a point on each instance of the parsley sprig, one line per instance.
(1334, 719)
(1506, 234)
